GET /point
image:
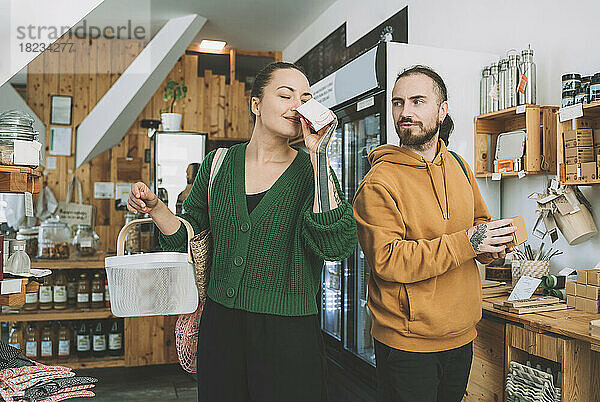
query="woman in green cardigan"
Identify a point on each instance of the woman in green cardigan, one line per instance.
(276, 214)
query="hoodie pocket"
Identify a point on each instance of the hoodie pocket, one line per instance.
(404, 302)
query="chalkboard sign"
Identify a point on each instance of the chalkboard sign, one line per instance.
(331, 53)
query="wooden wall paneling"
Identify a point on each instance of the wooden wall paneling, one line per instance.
(200, 105)
(149, 340)
(178, 74)
(116, 59)
(131, 49)
(228, 109)
(35, 86)
(221, 107)
(51, 83)
(190, 112)
(93, 76)
(81, 105)
(67, 67)
(207, 101)
(103, 68)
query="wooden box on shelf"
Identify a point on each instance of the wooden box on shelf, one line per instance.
(19, 179)
(540, 147)
(13, 298)
(584, 173)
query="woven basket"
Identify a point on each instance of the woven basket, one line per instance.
(201, 246)
(534, 268)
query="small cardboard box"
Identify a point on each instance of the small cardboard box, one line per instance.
(579, 155)
(570, 301)
(579, 138)
(582, 276)
(581, 122)
(597, 136)
(593, 277)
(572, 170)
(589, 171)
(520, 236)
(580, 303)
(593, 292)
(581, 290)
(591, 306)
(571, 288)
(316, 114)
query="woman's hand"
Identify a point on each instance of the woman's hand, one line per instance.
(141, 199)
(317, 142)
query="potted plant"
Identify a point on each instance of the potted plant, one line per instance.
(172, 92)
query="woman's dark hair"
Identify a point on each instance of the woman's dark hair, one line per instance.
(440, 87)
(263, 78)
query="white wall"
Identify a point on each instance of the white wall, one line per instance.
(491, 27)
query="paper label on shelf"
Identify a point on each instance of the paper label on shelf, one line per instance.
(45, 294)
(10, 286)
(365, 103)
(85, 243)
(97, 297)
(570, 112)
(114, 341)
(31, 298)
(521, 174)
(524, 288)
(99, 343)
(521, 109)
(104, 190)
(64, 348)
(51, 163)
(60, 294)
(31, 349)
(28, 204)
(46, 348)
(83, 297)
(496, 176)
(83, 343)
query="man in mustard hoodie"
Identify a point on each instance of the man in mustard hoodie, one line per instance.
(422, 223)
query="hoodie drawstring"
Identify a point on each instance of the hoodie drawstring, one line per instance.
(445, 215)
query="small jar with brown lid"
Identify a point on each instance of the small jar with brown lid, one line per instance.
(97, 291)
(83, 291)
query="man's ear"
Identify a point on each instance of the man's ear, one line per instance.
(443, 111)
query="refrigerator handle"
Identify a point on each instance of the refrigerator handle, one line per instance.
(380, 64)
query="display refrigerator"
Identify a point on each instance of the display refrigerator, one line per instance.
(359, 94)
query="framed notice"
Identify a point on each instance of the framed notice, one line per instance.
(60, 112)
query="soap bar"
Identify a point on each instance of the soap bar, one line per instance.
(317, 115)
(520, 236)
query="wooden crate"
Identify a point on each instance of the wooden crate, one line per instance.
(591, 112)
(540, 147)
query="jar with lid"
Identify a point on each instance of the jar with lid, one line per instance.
(46, 294)
(64, 341)
(31, 296)
(71, 288)
(571, 82)
(46, 346)
(85, 241)
(82, 340)
(568, 98)
(60, 291)
(18, 126)
(99, 339)
(83, 291)
(133, 238)
(115, 337)
(595, 88)
(31, 341)
(15, 336)
(30, 235)
(97, 290)
(54, 239)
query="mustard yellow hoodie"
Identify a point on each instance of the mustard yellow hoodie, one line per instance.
(412, 215)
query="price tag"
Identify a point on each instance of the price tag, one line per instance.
(28, 204)
(521, 174)
(570, 112)
(522, 84)
(524, 288)
(496, 176)
(521, 109)
(554, 184)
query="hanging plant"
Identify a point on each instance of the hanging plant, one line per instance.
(172, 92)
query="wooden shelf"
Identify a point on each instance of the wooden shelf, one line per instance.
(57, 315)
(14, 299)
(540, 145)
(95, 262)
(88, 362)
(19, 179)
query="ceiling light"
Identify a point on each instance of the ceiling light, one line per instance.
(212, 44)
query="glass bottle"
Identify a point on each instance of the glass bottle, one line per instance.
(31, 341)
(106, 294)
(31, 296)
(71, 289)
(85, 241)
(46, 342)
(83, 340)
(83, 291)
(97, 290)
(60, 291)
(15, 336)
(64, 341)
(46, 294)
(115, 338)
(99, 340)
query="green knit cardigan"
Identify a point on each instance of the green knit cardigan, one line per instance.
(271, 260)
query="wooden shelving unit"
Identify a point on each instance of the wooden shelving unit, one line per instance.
(89, 362)
(19, 179)
(95, 262)
(590, 111)
(540, 147)
(57, 315)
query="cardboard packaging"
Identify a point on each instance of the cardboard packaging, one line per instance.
(581, 290)
(317, 115)
(520, 236)
(578, 138)
(582, 276)
(581, 122)
(580, 303)
(571, 171)
(589, 171)
(592, 292)
(576, 155)
(593, 277)
(571, 288)
(591, 306)
(596, 136)
(570, 301)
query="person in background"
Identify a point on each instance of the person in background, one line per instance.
(422, 223)
(190, 174)
(273, 222)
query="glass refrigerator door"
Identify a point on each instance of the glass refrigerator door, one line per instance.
(331, 288)
(360, 137)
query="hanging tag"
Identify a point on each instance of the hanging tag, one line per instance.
(570, 112)
(521, 174)
(554, 184)
(28, 204)
(494, 91)
(496, 176)
(522, 84)
(520, 109)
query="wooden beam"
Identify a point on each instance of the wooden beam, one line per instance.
(231, 66)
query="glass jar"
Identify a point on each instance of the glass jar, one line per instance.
(133, 239)
(15, 336)
(54, 239)
(31, 341)
(46, 294)
(83, 291)
(64, 341)
(85, 241)
(60, 291)
(46, 348)
(31, 296)
(97, 291)
(30, 235)
(71, 288)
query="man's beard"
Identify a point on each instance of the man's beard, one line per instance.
(420, 140)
